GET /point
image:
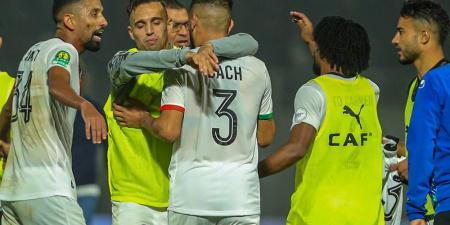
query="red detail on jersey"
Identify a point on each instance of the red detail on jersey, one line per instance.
(171, 107)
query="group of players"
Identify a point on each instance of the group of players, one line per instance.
(184, 125)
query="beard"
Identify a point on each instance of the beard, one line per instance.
(92, 45)
(406, 61)
(409, 56)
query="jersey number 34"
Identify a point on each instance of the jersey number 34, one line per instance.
(21, 102)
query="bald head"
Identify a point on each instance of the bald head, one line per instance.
(212, 15)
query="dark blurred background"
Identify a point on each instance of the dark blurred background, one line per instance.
(25, 22)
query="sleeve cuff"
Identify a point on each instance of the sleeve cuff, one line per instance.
(172, 107)
(182, 56)
(265, 116)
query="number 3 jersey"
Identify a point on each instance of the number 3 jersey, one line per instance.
(39, 161)
(213, 171)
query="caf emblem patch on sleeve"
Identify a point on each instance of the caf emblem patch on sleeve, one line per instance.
(62, 58)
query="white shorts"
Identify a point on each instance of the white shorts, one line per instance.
(56, 210)
(129, 213)
(183, 219)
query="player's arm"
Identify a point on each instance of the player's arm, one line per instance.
(308, 107)
(266, 123)
(5, 125)
(59, 62)
(166, 127)
(422, 134)
(125, 66)
(265, 132)
(235, 46)
(300, 138)
(306, 29)
(60, 89)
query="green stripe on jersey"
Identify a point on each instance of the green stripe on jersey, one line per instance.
(265, 116)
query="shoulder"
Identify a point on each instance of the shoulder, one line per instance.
(59, 50)
(58, 44)
(252, 60)
(374, 86)
(439, 73)
(310, 91)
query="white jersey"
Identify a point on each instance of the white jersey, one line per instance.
(39, 161)
(213, 171)
(310, 103)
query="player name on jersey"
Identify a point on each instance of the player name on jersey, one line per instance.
(229, 73)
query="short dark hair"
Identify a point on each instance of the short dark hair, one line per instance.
(133, 4)
(430, 12)
(344, 44)
(222, 3)
(174, 4)
(58, 5)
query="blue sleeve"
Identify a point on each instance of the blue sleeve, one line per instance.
(421, 142)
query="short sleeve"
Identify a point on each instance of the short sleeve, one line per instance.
(376, 89)
(266, 108)
(64, 56)
(309, 105)
(173, 93)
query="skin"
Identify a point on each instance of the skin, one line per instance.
(178, 27)
(148, 27)
(168, 125)
(418, 44)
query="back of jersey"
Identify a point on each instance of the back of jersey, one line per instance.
(39, 163)
(214, 162)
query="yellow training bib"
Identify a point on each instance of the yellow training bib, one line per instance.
(138, 161)
(339, 180)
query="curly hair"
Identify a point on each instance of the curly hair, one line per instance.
(344, 44)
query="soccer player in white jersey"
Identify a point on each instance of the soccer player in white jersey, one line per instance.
(38, 187)
(217, 124)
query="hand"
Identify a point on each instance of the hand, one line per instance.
(402, 168)
(305, 26)
(418, 222)
(94, 123)
(133, 117)
(4, 149)
(205, 60)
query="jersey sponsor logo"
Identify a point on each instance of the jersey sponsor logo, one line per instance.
(422, 84)
(62, 58)
(350, 112)
(337, 139)
(300, 115)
